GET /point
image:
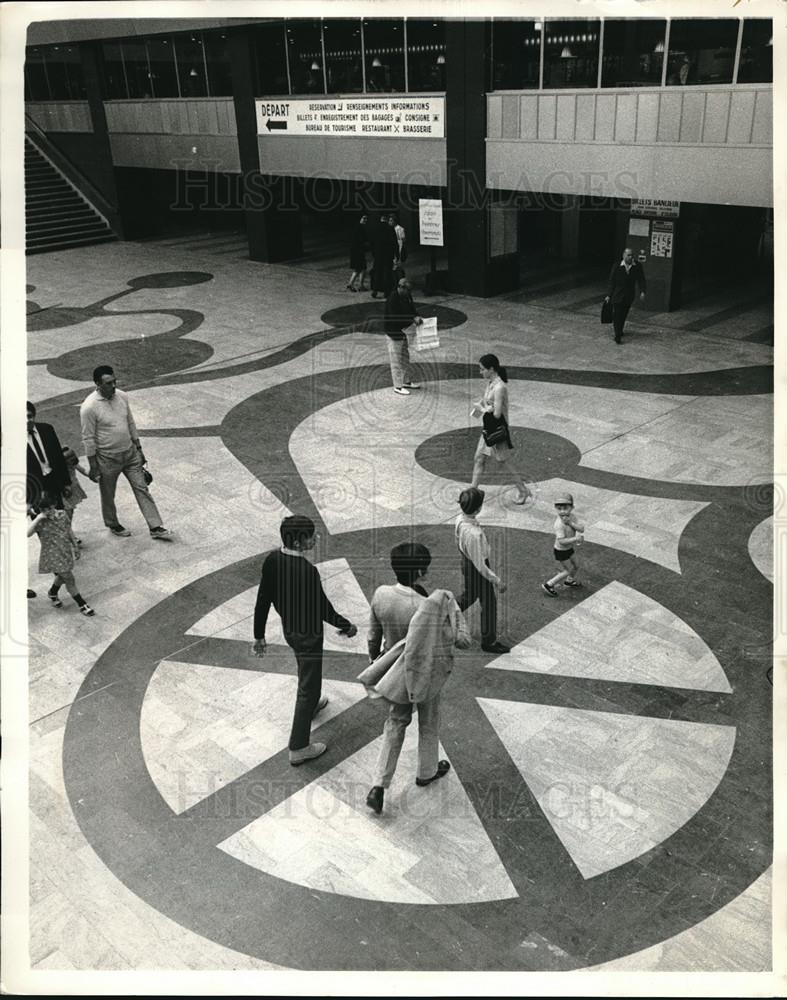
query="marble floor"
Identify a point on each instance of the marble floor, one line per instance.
(609, 804)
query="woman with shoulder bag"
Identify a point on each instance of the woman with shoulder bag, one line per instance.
(495, 441)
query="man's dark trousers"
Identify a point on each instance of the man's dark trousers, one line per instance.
(478, 588)
(308, 655)
(620, 311)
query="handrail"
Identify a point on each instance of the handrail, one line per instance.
(86, 188)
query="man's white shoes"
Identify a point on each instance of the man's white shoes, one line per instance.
(401, 390)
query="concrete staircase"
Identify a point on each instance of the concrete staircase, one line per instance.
(57, 216)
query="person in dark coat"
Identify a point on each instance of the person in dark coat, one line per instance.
(385, 249)
(47, 471)
(624, 278)
(400, 313)
(360, 240)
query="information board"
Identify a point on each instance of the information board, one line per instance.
(362, 117)
(655, 208)
(430, 222)
(661, 236)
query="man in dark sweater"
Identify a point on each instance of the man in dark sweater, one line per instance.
(292, 585)
(400, 313)
(624, 276)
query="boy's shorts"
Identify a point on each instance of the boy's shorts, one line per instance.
(562, 554)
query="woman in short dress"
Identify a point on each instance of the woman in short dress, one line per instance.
(495, 401)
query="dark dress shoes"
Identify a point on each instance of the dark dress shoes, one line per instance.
(443, 767)
(375, 799)
(496, 647)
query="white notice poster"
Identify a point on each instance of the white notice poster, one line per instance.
(430, 219)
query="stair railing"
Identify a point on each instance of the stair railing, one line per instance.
(73, 175)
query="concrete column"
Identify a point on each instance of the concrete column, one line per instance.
(271, 204)
(466, 209)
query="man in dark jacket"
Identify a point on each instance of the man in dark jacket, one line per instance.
(292, 585)
(384, 248)
(624, 278)
(46, 468)
(400, 313)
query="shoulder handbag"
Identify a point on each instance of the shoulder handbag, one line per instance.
(495, 431)
(606, 312)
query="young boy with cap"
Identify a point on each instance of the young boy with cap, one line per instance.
(480, 582)
(568, 533)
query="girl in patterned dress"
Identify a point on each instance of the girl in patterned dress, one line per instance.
(77, 493)
(58, 552)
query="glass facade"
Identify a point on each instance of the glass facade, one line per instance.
(425, 54)
(701, 50)
(571, 50)
(304, 56)
(163, 73)
(217, 58)
(756, 60)
(516, 54)
(384, 50)
(343, 56)
(192, 67)
(270, 59)
(633, 52)
(54, 73)
(391, 55)
(139, 75)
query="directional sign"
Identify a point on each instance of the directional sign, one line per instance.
(412, 117)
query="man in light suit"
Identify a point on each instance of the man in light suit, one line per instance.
(624, 276)
(46, 468)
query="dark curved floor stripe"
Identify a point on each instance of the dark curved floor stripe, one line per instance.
(204, 430)
(542, 456)
(263, 445)
(172, 861)
(369, 314)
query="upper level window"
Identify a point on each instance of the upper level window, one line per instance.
(114, 71)
(756, 61)
(139, 75)
(304, 48)
(192, 72)
(701, 50)
(384, 46)
(571, 53)
(425, 54)
(161, 57)
(217, 57)
(270, 59)
(516, 54)
(54, 73)
(633, 52)
(343, 61)
(36, 79)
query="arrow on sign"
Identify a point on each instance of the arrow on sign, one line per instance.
(273, 125)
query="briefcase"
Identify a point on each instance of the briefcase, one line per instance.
(606, 312)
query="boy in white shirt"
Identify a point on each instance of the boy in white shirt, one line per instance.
(568, 533)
